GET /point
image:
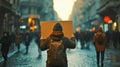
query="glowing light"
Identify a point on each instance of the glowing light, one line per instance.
(78, 29)
(29, 20)
(115, 24)
(23, 27)
(32, 28)
(63, 8)
(106, 19)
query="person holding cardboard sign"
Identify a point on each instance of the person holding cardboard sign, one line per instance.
(57, 44)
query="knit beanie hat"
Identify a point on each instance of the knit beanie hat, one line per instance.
(57, 27)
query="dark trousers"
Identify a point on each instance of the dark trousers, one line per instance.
(100, 53)
(115, 43)
(64, 65)
(27, 44)
(48, 64)
(77, 39)
(18, 46)
(82, 44)
(5, 53)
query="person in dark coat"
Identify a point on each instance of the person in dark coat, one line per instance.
(57, 35)
(82, 39)
(37, 40)
(87, 39)
(18, 40)
(119, 39)
(108, 35)
(5, 41)
(115, 38)
(12, 38)
(77, 35)
(27, 41)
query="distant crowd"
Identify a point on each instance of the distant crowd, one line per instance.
(56, 43)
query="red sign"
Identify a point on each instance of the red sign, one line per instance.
(106, 19)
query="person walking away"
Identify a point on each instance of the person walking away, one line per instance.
(18, 40)
(77, 36)
(37, 40)
(27, 41)
(23, 36)
(118, 39)
(12, 38)
(100, 42)
(82, 39)
(87, 39)
(115, 39)
(5, 41)
(108, 36)
(57, 44)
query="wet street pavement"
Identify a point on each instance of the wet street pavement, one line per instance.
(76, 58)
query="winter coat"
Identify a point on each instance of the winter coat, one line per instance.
(77, 35)
(27, 38)
(18, 39)
(58, 36)
(5, 41)
(82, 36)
(99, 47)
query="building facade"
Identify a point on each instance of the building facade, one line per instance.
(47, 12)
(9, 18)
(90, 17)
(85, 14)
(110, 8)
(9, 15)
(76, 14)
(40, 9)
(30, 17)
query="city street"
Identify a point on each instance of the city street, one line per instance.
(76, 58)
(24, 20)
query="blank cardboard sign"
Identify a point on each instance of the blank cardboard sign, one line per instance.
(47, 28)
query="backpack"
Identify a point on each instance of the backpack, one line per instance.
(100, 38)
(56, 53)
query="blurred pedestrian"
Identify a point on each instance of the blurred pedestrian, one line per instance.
(23, 36)
(18, 40)
(5, 41)
(27, 41)
(12, 38)
(37, 40)
(100, 42)
(119, 39)
(87, 39)
(108, 36)
(115, 39)
(77, 36)
(57, 44)
(82, 39)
